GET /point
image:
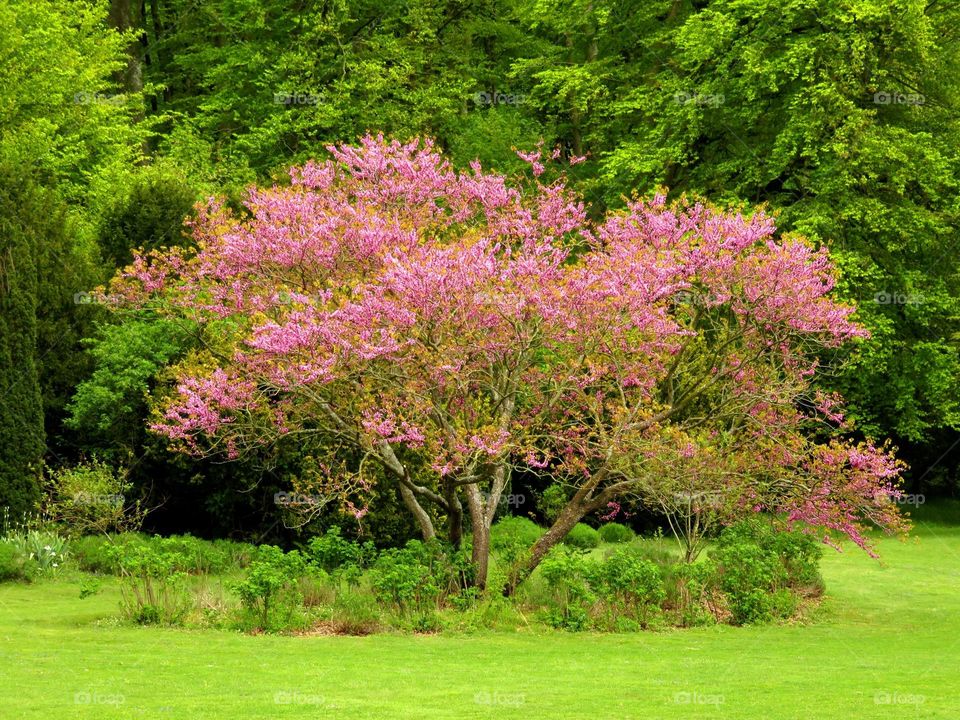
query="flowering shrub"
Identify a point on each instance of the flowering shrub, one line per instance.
(452, 327)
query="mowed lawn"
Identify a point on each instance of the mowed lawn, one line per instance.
(885, 644)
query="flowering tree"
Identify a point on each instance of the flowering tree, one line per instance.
(452, 328)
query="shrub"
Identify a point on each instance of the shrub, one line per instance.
(757, 566)
(355, 613)
(269, 586)
(514, 531)
(149, 214)
(14, 565)
(192, 555)
(154, 590)
(332, 551)
(583, 537)
(800, 555)
(552, 501)
(93, 553)
(315, 588)
(420, 574)
(199, 557)
(630, 583)
(91, 498)
(238, 555)
(511, 537)
(565, 572)
(691, 591)
(616, 533)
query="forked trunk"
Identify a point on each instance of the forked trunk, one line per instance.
(480, 554)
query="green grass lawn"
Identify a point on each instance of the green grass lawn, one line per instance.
(885, 644)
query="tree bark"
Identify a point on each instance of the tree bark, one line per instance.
(454, 514)
(480, 553)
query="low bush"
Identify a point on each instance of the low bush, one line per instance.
(14, 565)
(566, 574)
(612, 532)
(93, 553)
(511, 538)
(268, 591)
(583, 537)
(420, 575)
(514, 531)
(200, 557)
(757, 567)
(552, 500)
(692, 595)
(356, 613)
(631, 585)
(316, 588)
(331, 551)
(154, 588)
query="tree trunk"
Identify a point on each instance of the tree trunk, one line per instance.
(454, 514)
(480, 554)
(483, 511)
(121, 17)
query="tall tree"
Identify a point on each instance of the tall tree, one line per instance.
(22, 232)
